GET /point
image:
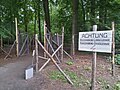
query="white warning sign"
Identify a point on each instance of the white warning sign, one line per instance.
(97, 41)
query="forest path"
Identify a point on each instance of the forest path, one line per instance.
(12, 75)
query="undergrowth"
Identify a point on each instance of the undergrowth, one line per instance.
(78, 81)
(117, 86)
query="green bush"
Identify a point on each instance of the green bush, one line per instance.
(69, 63)
(117, 86)
(117, 59)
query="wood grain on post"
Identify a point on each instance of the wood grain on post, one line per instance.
(17, 41)
(113, 49)
(58, 42)
(36, 51)
(45, 42)
(73, 47)
(93, 80)
(62, 43)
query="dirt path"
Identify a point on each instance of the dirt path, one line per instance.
(12, 74)
(12, 78)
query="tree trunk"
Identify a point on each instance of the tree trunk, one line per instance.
(83, 11)
(74, 27)
(25, 17)
(47, 15)
(93, 4)
(39, 26)
(101, 14)
(34, 28)
(105, 15)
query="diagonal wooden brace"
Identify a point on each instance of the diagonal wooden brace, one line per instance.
(49, 58)
(55, 63)
(52, 48)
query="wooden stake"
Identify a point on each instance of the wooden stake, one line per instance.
(62, 43)
(45, 33)
(63, 50)
(73, 47)
(28, 46)
(36, 51)
(10, 50)
(93, 80)
(52, 48)
(49, 58)
(58, 42)
(55, 63)
(17, 41)
(113, 47)
(23, 46)
(33, 57)
(5, 51)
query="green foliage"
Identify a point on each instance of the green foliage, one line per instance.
(78, 81)
(104, 84)
(56, 75)
(87, 68)
(117, 59)
(69, 63)
(61, 14)
(117, 86)
(4, 32)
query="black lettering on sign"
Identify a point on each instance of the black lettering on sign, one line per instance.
(95, 35)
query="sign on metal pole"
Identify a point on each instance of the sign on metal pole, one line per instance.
(97, 41)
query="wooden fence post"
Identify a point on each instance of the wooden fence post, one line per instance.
(94, 65)
(17, 41)
(45, 42)
(36, 51)
(62, 43)
(113, 49)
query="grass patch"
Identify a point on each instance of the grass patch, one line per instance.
(78, 81)
(87, 68)
(117, 86)
(69, 63)
(104, 84)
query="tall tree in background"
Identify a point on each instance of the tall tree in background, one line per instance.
(102, 13)
(47, 15)
(93, 6)
(83, 13)
(25, 16)
(74, 26)
(39, 25)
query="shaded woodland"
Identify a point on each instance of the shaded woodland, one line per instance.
(74, 15)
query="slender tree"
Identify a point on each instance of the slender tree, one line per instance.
(39, 25)
(46, 11)
(74, 26)
(93, 6)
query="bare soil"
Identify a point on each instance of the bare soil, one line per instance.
(12, 74)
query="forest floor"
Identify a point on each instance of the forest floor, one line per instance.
(79, 70)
